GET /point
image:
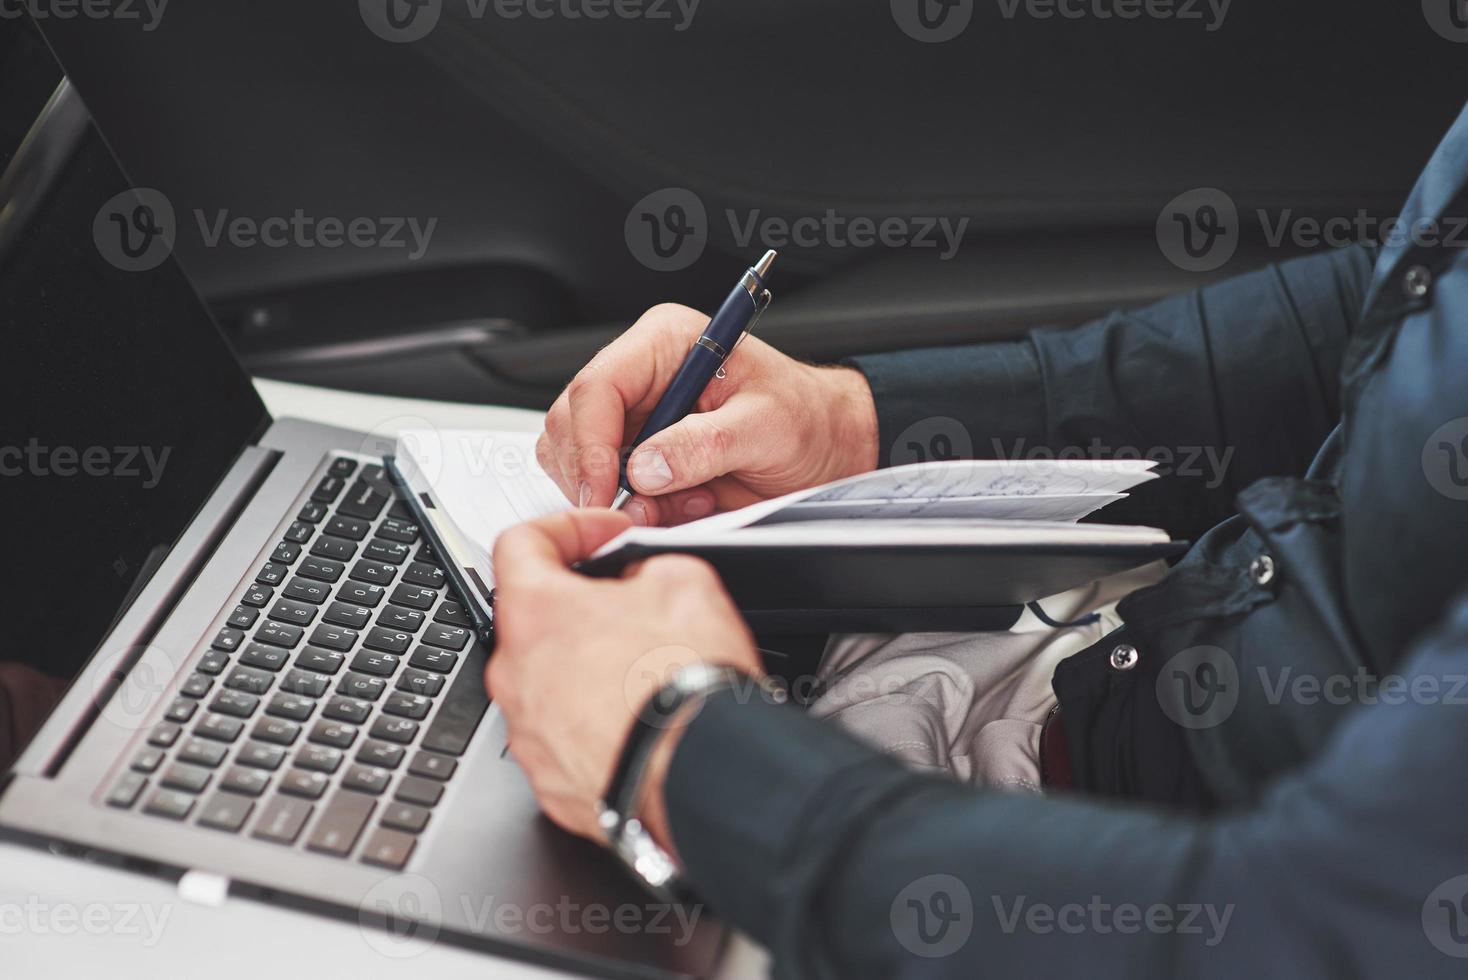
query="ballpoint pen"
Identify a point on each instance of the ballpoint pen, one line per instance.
(705, 360)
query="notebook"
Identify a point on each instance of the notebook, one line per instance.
(939, 545)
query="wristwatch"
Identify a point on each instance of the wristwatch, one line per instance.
(671, 707)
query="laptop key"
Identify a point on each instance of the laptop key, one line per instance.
(291, 706)
(400, 730)
(362, 593)
(427, 658)
(304, 683)
(307, 785)
(428, 554)
(257, 755)
(388, 641)
(328, 489)
(400, 511)
(319, 758)
(342, 467)
(392, 552)
(327, 546)
(147, 759)
(220, 728)
(420, 682)
(312, 512)
(181, 710)
(264, 657)
(321, 569)
(388, 848)
(341, 824)
(347, 527)
(432, 766)
(362, 501)
(279, 634)
(444, 635)
(321, 661)
(196, 686)
(168, 803)
(271, 574)
(185, 777)
(291, 611)
(236, 703)
(414, 596)
(334, 637)
(205, 752)
(384, 754)
(452, 612)
(377, 664)
(285, 553)
(366, 779)
(346, 614)
(308, 590)
(299, 532)
(226, 812)
(397, 529)
(346, 709)
(257, 596)
(164, 734)
(212, 662)
(334, 733)
(282, 820)
(276, 731)
(420, 573)
(228, 639)
(246, 782)
(126, 790)
(243, 617)
(459, 712)
(362, 686)
(398, 618)
(406, 705)
(405, 816)
(249, 680)
(424, 792)
(375, 572)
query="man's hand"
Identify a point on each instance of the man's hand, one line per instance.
(772, 426)
(576, 658)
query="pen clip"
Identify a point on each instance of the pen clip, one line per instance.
(765, 299)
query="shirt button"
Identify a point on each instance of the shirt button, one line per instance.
(1125, 657)
(1417, 281)
(1261, 570)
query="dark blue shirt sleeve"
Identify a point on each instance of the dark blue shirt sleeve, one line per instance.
(844, 864)
(1223, 386)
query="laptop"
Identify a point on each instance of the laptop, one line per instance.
(234, 659)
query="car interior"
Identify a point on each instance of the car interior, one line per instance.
(557, 126)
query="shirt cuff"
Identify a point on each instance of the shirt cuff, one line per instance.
(750, 795)
(982, 401)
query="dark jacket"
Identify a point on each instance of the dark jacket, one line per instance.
(1277, 734)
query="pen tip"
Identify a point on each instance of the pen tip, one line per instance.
(763, 266)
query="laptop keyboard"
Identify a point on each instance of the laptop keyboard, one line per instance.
(328, 710)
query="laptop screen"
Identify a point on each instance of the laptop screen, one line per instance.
(121, 406)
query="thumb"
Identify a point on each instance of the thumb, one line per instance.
(553, 542)
(700, 448)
